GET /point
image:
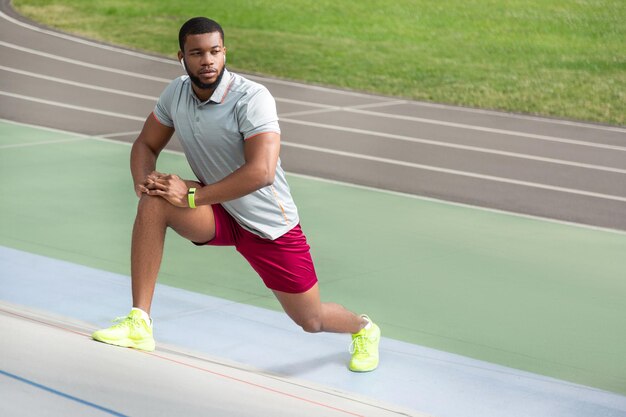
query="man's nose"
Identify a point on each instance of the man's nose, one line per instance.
(208, 59)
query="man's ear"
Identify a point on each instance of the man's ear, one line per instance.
(182, 60)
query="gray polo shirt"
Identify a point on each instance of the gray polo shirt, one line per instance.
(213, 133)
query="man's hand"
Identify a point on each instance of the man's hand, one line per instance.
(169, 186)
(142, 187)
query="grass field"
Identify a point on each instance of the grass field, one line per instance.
(553, 57)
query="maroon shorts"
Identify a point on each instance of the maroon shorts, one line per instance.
(284, 264)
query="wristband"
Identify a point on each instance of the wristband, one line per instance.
(191, 197)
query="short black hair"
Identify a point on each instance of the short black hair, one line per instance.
(198, 26)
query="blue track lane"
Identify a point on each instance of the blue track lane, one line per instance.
(410, 376)
(62, 394)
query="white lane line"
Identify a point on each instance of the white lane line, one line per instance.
(479, 128)
(325, 108)
(384, 104)
(317, 88)
(84, 64)
(456, 172)
(118, 134)
(503, 113)
(77, 84)
(348, 184)
(46, 142)
(457, 204)
(71, 106)
(384, 100)
(427, 141)
(351, 130)
(305, 103)
(457, 146)
(309, 112)
(86, 42)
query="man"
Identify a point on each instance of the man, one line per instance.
(229, 131)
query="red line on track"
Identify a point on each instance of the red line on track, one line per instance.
(286, 394)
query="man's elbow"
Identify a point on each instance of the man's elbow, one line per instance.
(260, 175)
(264, 176)
(268, 178)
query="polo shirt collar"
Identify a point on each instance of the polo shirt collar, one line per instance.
(220, 92)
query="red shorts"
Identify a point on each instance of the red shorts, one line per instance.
(284, 264)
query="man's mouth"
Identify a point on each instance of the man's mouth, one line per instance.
(208, 72)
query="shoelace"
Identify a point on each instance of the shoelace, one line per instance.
(359, 345)
(124, 321)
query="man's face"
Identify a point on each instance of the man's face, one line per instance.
(204, 57)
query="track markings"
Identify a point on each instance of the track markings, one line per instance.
(61, 394)
(457, 172)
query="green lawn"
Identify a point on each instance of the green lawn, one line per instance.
(552, 57)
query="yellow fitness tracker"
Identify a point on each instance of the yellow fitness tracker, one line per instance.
(191, 197)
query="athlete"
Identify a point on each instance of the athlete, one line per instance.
(229, 131)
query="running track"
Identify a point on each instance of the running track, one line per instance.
(549, 168)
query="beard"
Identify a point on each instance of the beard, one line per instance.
(206, 86)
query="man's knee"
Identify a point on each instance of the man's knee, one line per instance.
(311, 324)
(152, 207)
(151, 203)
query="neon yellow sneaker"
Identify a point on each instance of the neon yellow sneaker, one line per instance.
(131, 331)
(364, 349)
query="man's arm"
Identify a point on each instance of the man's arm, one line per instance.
(261, 157)
(145, 151)
(261, 154)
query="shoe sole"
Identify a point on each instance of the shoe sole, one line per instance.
(363, 370)
(128, 343)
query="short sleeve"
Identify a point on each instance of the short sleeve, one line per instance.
(162, 110)
(256, 113)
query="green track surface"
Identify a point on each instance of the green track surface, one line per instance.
(536, 295)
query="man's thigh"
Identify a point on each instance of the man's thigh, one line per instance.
(196, 225)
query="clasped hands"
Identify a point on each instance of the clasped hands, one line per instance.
(169, 186)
